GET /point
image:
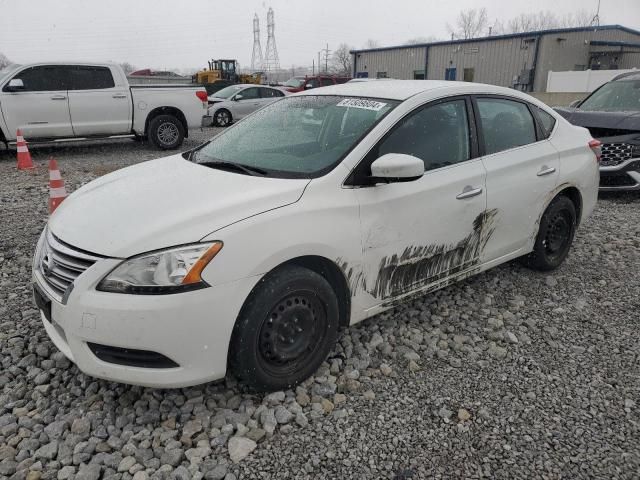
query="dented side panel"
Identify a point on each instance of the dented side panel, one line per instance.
(418, 233)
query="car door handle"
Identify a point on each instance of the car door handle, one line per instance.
(546, 171)
(59, 97)
(469, 192)
(120, 95)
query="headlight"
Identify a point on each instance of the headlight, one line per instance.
(165, 271)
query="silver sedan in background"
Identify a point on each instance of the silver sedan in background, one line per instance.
(237, 101)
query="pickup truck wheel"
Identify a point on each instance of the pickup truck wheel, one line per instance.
(166, 132)
(222, 118)
(555, 236)
(285, 330)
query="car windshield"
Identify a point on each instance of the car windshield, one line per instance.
(297, 137)
(294, 82)
(227, 92)
(623, 95)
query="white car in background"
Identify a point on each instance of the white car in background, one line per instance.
(325, 208)
(237, 101)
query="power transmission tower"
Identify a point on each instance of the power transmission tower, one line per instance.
(325, 53)
(271, 60)
(256, 56)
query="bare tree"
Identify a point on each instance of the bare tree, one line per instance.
(371, 43)
(529, 22)
(419, 40)
(579, 18)
(127, 67)
(469, 24)
(341, 60)
(4, 61)
(544, 20)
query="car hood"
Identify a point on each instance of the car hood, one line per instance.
(163, 203)
(609, 120)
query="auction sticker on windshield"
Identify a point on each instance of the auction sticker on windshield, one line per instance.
(361, 103)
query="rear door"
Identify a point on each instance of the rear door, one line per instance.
(98, 105)
(522, 170)
(269, 95)
(41, 109)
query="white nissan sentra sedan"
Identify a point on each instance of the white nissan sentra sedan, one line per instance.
(250, 252)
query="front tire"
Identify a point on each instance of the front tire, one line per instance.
(555, 235)
(285, 330)
(222, 118)
(166, 132)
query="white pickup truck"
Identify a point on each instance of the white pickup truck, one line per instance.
(62, 101)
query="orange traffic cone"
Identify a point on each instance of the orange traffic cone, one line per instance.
(24, 157)
(57, 192)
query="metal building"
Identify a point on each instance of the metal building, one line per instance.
(519, 60)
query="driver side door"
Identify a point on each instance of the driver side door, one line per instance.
(41, 108)
(418, 234)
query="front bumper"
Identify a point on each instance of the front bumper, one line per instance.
(622, 177)
(192, 329)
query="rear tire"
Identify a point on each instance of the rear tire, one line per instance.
(285, 330)
(222, 118)
(555, 236)
(166, 132)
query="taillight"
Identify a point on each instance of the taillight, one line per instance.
(596, 148)
(202, 95)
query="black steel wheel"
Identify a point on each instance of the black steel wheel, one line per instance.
(222, 118)
(555, 235)
(285, 329)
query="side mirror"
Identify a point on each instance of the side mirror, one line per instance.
(237, 97)
(15, 84)
(575, 103)
(397, 167)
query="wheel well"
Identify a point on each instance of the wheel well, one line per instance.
(3, 140)
(332, 274)
(167, 111)
(573, 194)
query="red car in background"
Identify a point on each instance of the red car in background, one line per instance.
(298, 84)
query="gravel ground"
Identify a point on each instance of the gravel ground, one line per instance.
(510, 374)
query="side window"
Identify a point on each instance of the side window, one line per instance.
(250, 93)
(45, 78)
(326, 81)
(90, 78)
(505, 124)
(437, 134)
(547, 122)
(270, 93)
(313, 82)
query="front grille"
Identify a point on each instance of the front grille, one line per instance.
(622, 180)
(131, 357)
(615, 153)
(60, 264)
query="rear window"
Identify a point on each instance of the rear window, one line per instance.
(90, 78)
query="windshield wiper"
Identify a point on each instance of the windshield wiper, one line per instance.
(221, 164)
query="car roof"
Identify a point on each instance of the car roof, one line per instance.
(404, 89)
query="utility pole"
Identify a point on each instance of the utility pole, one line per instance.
(313, 67)
(326, 52)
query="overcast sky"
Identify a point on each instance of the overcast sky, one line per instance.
(166, 34)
